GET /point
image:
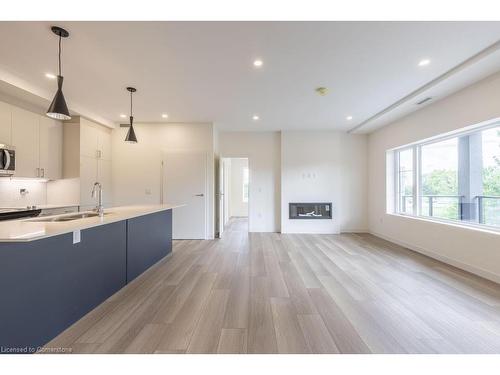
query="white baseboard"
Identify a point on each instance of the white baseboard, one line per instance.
(355, 231)
(466, 267)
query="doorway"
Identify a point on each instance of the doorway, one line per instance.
(234, 180)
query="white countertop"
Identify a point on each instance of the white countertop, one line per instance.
(31, 229)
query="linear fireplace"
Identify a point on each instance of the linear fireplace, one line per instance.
(310, 210)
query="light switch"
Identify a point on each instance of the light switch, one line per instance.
(76, 236)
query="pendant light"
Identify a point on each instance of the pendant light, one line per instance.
(131, 138)
(58, 108)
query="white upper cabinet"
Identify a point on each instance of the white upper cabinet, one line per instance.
(5, 123)
(104, 144)
(51, 140)
(93, 161)
(89, 135)
(25, 139)
(95, 140)
(38, 143)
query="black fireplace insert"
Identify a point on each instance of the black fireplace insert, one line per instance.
(306, 211)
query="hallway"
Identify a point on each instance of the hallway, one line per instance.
(237, 224)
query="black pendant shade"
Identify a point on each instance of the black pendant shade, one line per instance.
(131, 137)
(58, 108)
(131, 133)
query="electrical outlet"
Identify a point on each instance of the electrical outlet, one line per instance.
(76, 236)
(148, 191)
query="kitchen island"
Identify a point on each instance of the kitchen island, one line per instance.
(54, 270)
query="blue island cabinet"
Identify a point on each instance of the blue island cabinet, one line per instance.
(48, 284)
(149, 239)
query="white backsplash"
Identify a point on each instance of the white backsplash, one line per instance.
(10, 195)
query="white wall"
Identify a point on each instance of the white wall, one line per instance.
(324, 166)
(263, 152)
(65, 191)
(136, 167)
(340, 163)
(237, 207)
(474, 250)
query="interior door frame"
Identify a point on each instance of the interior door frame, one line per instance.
(220, 196)
(227, 192)
(205, 154)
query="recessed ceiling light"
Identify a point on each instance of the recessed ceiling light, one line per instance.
(348, 118)
(123, 116)
(50, 76)
(255, 117)
(164, 115)
(424, 62)
(322, 91)
(258, 63)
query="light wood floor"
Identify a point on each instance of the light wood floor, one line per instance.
(275, 293)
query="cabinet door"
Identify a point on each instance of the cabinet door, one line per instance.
(25, 138)
(104, 143)
(51, 136)
(88, 176)
(5, 123)
(89, 135)
(104, 177)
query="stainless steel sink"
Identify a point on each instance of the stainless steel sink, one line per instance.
(82, 215)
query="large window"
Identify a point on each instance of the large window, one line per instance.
(453, 178)
(439, 180)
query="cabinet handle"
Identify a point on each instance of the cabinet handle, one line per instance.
(43, 172)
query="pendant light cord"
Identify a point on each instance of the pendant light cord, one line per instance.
(131, 103)
(60, 54)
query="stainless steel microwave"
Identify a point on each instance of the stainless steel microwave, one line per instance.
(7, 160)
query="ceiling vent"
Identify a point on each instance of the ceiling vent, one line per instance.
(424, 100)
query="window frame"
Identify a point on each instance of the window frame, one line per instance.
(397, 188)
(417, 176)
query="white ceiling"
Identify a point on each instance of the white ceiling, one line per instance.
(203, 72)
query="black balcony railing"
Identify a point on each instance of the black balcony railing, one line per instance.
(452, 207)
(488, 207)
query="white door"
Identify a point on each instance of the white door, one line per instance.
(185, 183)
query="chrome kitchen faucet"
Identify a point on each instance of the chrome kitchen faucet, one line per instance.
(98, 189)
